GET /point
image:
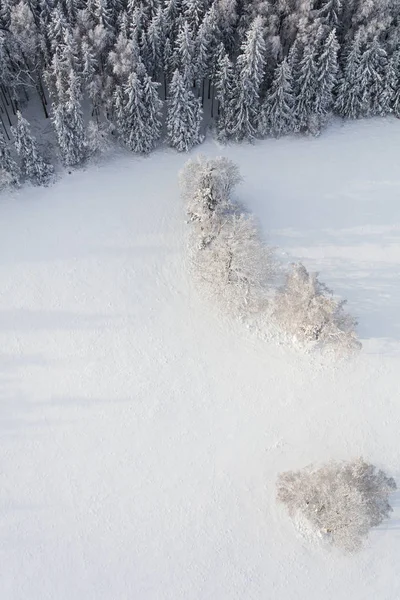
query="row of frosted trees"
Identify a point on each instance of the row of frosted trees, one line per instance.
(144, 69)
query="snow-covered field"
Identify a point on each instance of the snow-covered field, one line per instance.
(141, 436)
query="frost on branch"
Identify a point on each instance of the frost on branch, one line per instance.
(306, 309)
(341, 501)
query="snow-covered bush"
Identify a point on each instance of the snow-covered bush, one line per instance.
(340, 501)
(206, 183)
(306, 309)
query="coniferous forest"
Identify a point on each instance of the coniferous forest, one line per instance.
(144, 72)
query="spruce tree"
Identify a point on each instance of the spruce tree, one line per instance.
(69, 125)
(8, 166)
(249, 77)
(348, 92)
(327, 72)
(330, 12)
(184, 59)
(306, 86)
(372, 69)
(277, 115)
(33, 166)
(224, 81)
(395, 98)
(184, 115)
(140, 112)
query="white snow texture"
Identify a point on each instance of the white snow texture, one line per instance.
(141, 435)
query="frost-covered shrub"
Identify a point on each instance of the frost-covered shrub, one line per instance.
(233, 265)
(207, 184)
(227, 254)
(306, 309)
(340, 501)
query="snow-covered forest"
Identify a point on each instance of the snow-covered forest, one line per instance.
(143, 71)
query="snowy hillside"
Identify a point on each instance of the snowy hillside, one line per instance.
(141, 436)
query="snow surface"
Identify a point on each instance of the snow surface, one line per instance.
(141, 435)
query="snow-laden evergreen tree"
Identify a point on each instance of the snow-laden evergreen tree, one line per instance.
(184, 59)
(307, 86)
(69, 125)
(277, 115)
(227, 18)
(206, 44)
(140, 110)
(348, 92)
(249, 77)
(327, 73)
(330, 12)
(33, 165)
(395, 99)
(155, 43)
(184, 116)
(372, 77)
(8, 167)
(193, 12)
(224, 81)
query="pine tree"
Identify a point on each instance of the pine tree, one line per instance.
(33, 166)
(184, 115)
(250, 74)
(348, 92)
(330, 12)
(69, 126)
(307, 86)
(327, 72)
(184, 53)
(224, 81)
(8, 166)
(277, 116)
(372, 69)
(156, 42)
(193, 12)
(395, 99)
(139, 108)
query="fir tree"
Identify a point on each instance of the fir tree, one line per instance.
(140, 110)
(184, 115)
(250, 74)
(277, 117)
(224, 81)
(33, 166)
(330, 12)
(69, 126)
(307, 86)
(348, 92)
(395, 98)
(372, 69)
(8, 166)
(327, 72)
(184, 52)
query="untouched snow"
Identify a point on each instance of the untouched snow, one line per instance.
(141, 436)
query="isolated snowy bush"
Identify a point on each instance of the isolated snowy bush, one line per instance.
(306, 309)
(340, 501)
